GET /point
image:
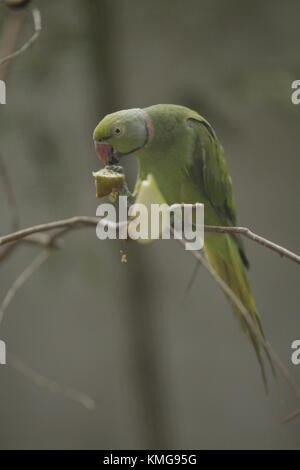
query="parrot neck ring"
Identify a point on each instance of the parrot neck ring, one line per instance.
(111, 156)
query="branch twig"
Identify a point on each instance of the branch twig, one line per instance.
(72, 222)
(11, 32)
(246, 232)
(38, 239)
(54, 387)
(244, 312)
(21, 279)
(29, 271)
(15, 362)
(11, 35)
(291, 416)
(37, 23)
(79, 221)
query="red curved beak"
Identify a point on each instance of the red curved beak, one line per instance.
(103, 151)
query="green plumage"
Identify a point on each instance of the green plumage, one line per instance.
(186, 159)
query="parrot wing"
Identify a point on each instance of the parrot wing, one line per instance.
(209, 171)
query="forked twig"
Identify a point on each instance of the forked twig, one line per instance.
(21, 279)
(37, 23)
(79, 221)
(19, 365)
(54, 387)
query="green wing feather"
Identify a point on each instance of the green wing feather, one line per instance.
(226, 253)
(209, 171)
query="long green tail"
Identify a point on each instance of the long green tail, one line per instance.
(223, 253)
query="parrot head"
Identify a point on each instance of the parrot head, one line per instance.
(121, 133)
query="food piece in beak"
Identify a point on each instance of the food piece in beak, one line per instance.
(108, 180)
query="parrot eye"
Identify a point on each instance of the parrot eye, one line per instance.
(118, 131)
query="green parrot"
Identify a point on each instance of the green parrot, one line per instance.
(181, 153)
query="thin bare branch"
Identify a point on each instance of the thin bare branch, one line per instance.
(37, 23)
(191, 282)
(246, 232)
(229, 292)
(285, 373)
(72, 222)
(44, 240)
(10, 36)
(79, 221)
(14, 361)
(54, 387)
(266, 346)
(291, 416)
(37, 239)
(21, 279)
(29, 270)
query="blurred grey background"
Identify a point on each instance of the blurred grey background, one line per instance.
(163, 374)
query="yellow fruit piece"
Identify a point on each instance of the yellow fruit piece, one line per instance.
(107, 181)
